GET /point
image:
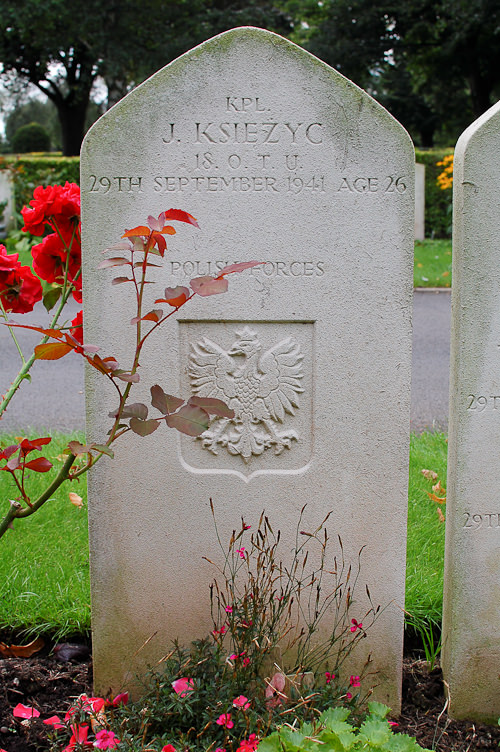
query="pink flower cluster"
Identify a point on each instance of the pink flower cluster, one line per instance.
(79, 731)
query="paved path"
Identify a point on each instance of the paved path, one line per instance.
(55, 397)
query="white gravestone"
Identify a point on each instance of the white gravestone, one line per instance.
(471, 616)
(280, 159)
(419, 201)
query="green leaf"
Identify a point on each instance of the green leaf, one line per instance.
(375, 731)
(403, 743)
(378, 709)
(103, 449)
(51, 297)
(190, 420)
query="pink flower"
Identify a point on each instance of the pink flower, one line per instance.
(241, 552)
(79, 736)
(183, 686)
(25, 711)
(106, 740)
(55, 722)
(356, 625)
(348, 695)
(220, 749)
(168, 748)
(241, 702)
(220, 631)
(393, 723)
(225, 720)
(355, 681)
(246, 527)
(329, 677)
(246, 661)
(228, 609)
(248, 745)
(121, 699)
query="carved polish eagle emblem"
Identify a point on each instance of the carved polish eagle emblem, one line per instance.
(261, 386)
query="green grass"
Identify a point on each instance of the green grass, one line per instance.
(44, 572)
(432, 266)
(425, 547)
(44, 563)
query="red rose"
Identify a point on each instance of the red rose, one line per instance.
(8, 261)
(76, 330)
(56, 204)
(49, 257)
(19, 289)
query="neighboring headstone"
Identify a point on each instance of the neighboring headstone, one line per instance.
(419, 201)
(6, 197)
(282, 159)
(471, 616)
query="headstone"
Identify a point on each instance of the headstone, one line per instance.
(471, 616)
(7, 198)
(419, 201)
(280, 159)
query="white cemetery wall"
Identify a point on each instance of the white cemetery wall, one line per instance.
(280, 159)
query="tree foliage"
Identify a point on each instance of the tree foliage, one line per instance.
(433, 63)
(62, 50)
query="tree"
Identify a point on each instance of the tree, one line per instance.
(62, 49)
(445, 52)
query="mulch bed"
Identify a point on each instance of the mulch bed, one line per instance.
(48, 684)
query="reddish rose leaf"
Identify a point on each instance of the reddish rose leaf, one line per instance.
(156, 223)
(143, 427)
(141, 230)
(120, 280)
(154, 315)
(131, 378)
(134, 410)
(212, 406)
(9, 451)
(205, 286)
(39, 465)
(52, 351)
(190, 420)
(175, 296)
(114, 261)
(165, 403)
(35, 443)
(12, 464)
(181, 216)
(76, 448)
(168, 230)
(239, 267)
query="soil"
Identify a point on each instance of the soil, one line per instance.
(49, 684)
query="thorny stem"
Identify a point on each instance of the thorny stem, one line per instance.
(16, 511)
(67, 289)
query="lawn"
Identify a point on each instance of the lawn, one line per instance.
(44, 567)
(432, 264)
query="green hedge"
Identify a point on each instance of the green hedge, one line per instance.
(30, 171)
(437, 201)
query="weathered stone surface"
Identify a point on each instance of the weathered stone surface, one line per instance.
(471, 618)
(419, 201)
(280, 159)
